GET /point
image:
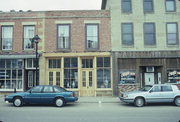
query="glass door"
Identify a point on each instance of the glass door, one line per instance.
(87, 88)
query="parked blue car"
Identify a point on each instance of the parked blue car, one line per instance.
(43, 94)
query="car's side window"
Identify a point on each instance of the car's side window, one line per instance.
(48, 89)
(36, 89)
(156, 89)
(56, 89)
(167, 88)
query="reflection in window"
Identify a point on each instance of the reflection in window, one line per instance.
(170, 5)
(29, 33)
(70, 73)
(54, 63)
(92, 36)
(7, 37)
(103, 72)
(11, 74)
(148, 6)
(127, 77)
(87, 63)
(149, 34)
(63, 36)
(174, 76)
(127, 34)
(172, 34)
(126, 6)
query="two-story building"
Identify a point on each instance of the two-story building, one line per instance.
(74, 51)
(145, 42)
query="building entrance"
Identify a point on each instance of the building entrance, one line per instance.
(87, 85)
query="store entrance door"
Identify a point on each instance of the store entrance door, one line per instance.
(87, 84)
(149, 79)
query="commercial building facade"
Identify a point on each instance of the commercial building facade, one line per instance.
(74, 51)
(145, 42)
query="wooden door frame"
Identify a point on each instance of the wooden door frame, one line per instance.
(93, 82)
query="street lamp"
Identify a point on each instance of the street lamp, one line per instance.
(35, 40)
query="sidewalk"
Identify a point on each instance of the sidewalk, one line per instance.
(102, 99)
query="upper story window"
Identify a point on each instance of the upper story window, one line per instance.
(172, 34)
(63, 37)
(170, 6)
(92, 36)
(29, 33)
(7, 37)
(148, 6)
(127, 34)
(126, 6)
(149, 34)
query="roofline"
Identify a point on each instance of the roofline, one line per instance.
(103, 5)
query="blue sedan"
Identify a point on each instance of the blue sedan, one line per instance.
(43, 94)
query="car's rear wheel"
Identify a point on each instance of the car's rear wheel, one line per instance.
(17, 101)
(59, 102)
(177, 101)
(139, 102)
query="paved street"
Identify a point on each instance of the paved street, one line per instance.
(99, 110)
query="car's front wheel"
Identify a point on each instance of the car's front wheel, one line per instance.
(139, 102)
(17, 102)
(177, 101)
(59, 102)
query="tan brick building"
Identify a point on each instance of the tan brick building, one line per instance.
(74, 50)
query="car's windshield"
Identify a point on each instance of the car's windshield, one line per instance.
(146, 88)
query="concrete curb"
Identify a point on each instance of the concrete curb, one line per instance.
(98, 100)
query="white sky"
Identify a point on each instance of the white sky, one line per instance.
(36, 5)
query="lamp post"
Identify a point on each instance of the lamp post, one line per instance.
(36, 39)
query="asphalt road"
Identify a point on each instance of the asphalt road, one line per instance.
(90, 112)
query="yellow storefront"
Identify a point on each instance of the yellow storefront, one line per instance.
(89, 74)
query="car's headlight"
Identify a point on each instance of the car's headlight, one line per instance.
(125, 95)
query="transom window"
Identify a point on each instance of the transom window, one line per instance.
(54, 63)
(126, 6)
(92, 36)
(127, 34)
(7, 37)
(29, 33)
(63, 36)
(149, 34)
(87, 63)
(172, 34)
(148, 6)
(170, 5)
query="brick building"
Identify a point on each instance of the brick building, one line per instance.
(74, 50)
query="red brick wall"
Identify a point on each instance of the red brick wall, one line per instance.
(49, 32)
(77, 29)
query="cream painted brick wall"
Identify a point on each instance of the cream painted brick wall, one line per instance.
(160, 17)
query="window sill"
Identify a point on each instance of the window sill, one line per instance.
(127, 46)
(150, 46)
(172, 46)
(64, 50)
(92, 50)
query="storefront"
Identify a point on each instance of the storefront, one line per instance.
(133, 70)
(89, 74)
(13, 72)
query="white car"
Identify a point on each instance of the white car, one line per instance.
(161, 93)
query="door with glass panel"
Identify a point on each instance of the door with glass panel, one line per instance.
(87, 86)
(54, 78)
